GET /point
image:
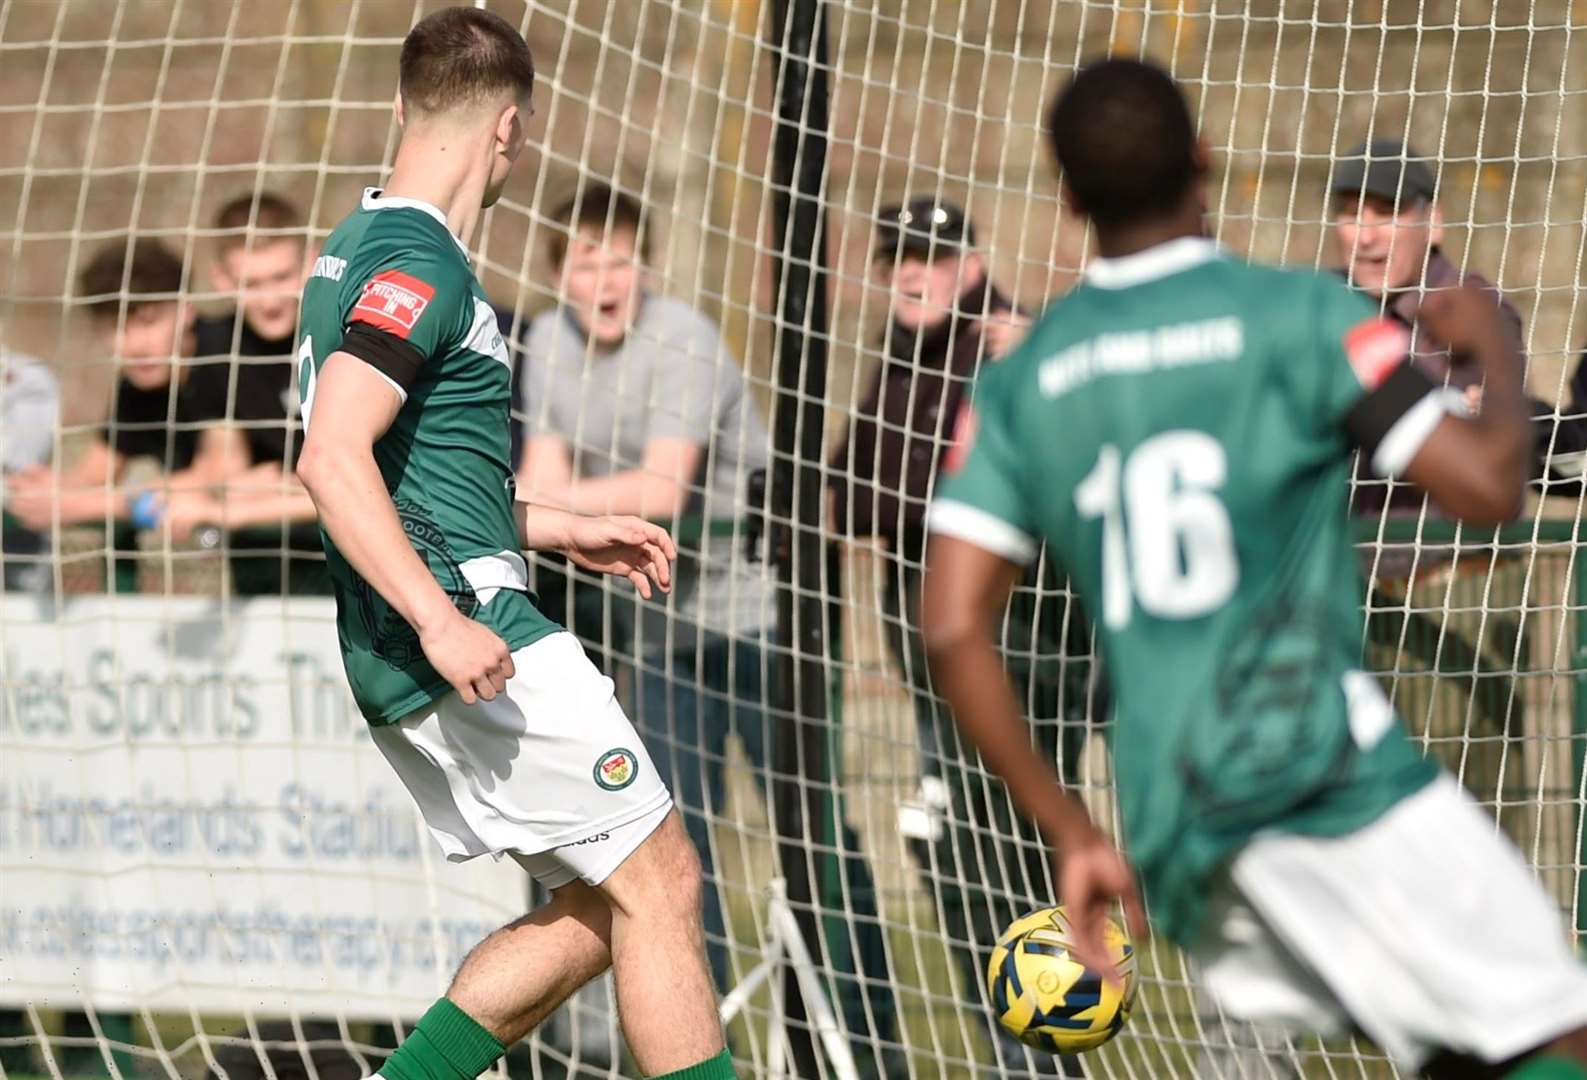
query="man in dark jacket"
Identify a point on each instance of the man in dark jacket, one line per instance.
(1430, 613)
(981, 863)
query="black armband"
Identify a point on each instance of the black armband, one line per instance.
(396, 359)
(1376, 413)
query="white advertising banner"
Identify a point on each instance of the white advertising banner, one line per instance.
(193, 816)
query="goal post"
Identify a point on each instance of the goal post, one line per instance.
(205, 866)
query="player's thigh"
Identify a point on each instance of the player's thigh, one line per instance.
(660, 878)
(1426, 926)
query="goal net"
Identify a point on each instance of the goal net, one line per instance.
(205, 867)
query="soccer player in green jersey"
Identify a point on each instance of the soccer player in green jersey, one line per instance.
(1179, 431)
(506, 735)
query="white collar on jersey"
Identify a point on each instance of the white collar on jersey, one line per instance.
(1153, 263)
(374, 200)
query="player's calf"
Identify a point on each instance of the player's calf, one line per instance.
(523, 972)
(506, 986)
(665, 997)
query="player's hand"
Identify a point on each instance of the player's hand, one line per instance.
(1092, 876)
(468, 655)
(1464, 318)
(623, 546)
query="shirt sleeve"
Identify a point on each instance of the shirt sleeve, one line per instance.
(1384, 404)
(405, 314)
(686, 382)
(979, 497)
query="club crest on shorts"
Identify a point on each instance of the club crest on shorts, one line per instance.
(616, 769)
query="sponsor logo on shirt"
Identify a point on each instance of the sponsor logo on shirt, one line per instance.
(393, 301)
(616, 769)
(391, 637)
(1375, 347)
(329, 266)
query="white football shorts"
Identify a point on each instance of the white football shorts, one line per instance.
(551, 772)
(1425, 929)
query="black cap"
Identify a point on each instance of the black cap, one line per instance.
(1386, 168)
(923, 226)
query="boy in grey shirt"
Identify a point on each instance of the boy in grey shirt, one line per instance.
(634, 405)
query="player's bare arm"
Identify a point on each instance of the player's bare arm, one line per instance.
(353, 407)
(1475, 467)
(621, 545)
(967, 590)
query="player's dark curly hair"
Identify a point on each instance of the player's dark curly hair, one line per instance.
(461, 56)
(144, 271)
(1124, 139)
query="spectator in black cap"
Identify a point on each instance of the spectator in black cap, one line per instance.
(983, 866)
(1390, 233)
(1390, 230)
(942, 305)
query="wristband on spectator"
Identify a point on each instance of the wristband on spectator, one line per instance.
(144, 510)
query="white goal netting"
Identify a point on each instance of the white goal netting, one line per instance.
(204, 865)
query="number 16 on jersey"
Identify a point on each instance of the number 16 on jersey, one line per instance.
(1167, 544)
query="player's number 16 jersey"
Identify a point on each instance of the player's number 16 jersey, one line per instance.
(1179, 431)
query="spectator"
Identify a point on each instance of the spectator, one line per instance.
(1425, 607)
(263, 260)
(636, 406)
(166, 409)
(29, 411)
(1390, 229)
(983, 866)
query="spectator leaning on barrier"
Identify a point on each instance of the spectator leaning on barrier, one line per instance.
(635, 405)
(166, 410)
(29, 413)
(263, 260)
(983, 866)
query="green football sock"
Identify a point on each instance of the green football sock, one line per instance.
(719, 1067)
(446, 1044)
(1547, 1067)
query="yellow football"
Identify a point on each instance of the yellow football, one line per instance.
(1048, 999)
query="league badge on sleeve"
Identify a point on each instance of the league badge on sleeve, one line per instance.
(393, 301)
(1375, 347)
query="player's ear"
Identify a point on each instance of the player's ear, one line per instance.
(509, 131)
(396, 106)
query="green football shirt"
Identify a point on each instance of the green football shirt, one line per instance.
(1179, 430)
(394, 268)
